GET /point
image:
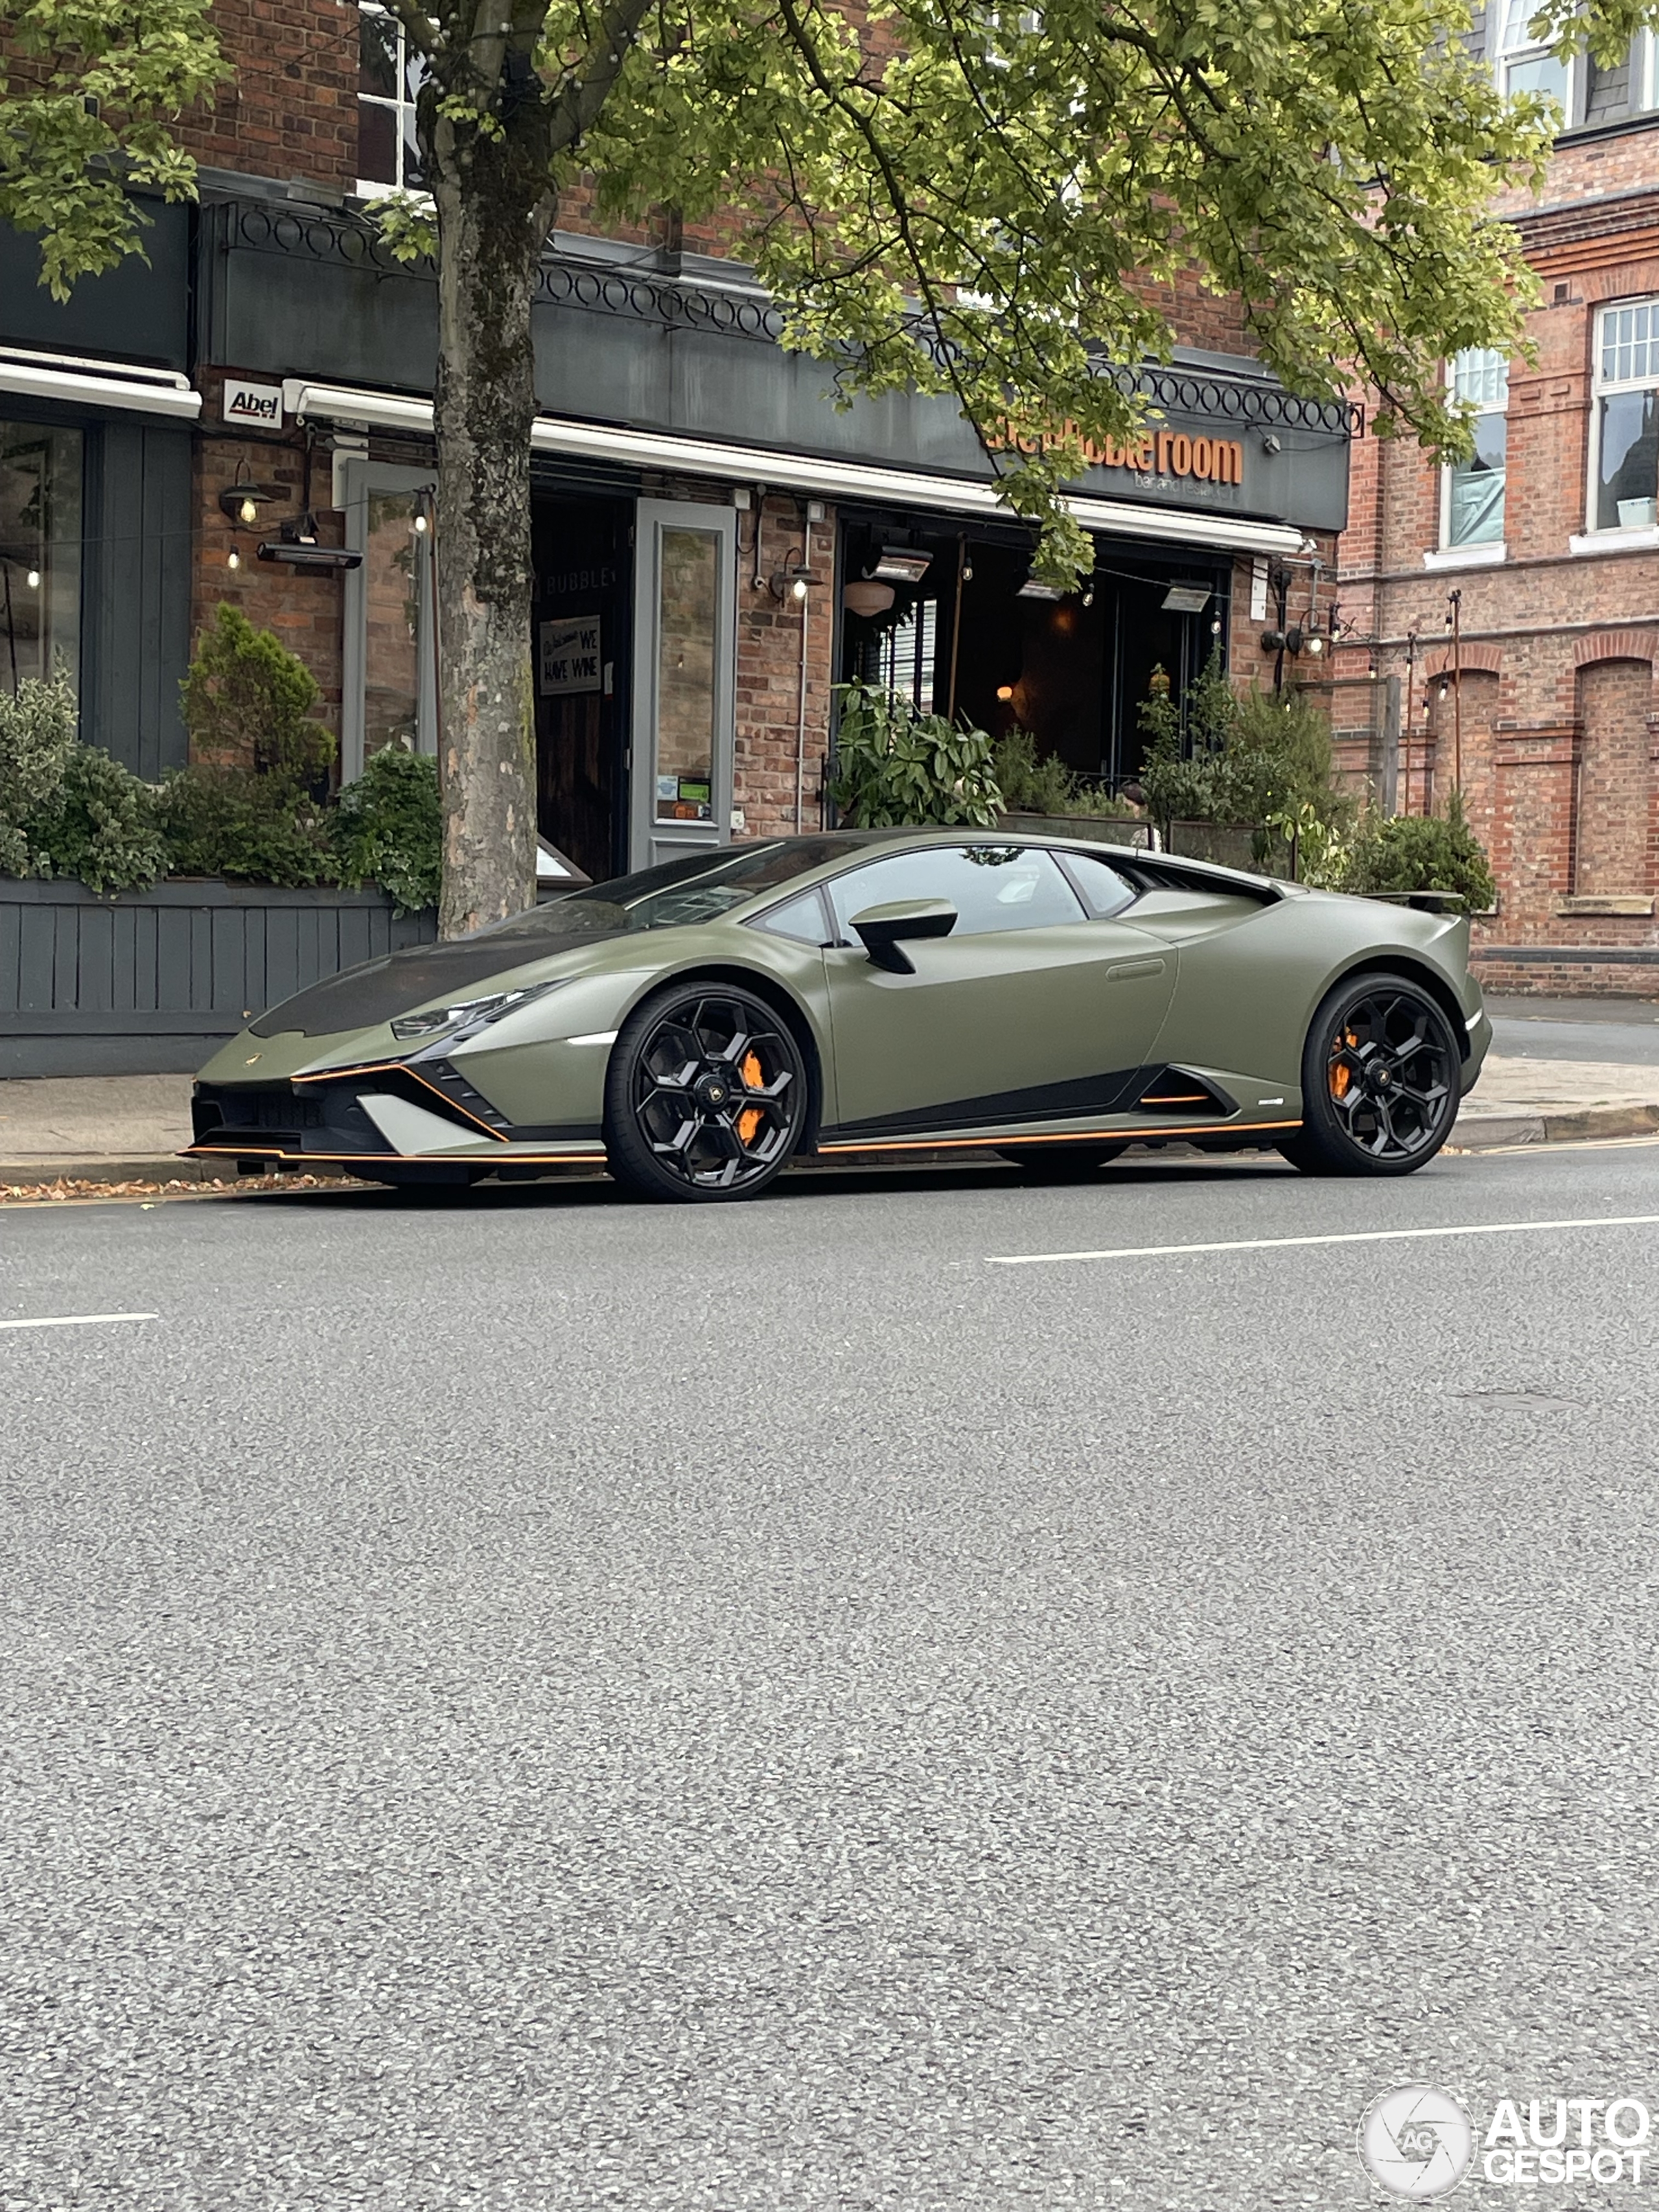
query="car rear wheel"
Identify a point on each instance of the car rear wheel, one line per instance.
(705, 1095)
(1059, 1162)
(1380, 1081)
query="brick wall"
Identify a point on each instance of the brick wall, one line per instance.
(769, 669)
(1558, 778)
(1613, 853)
(290, 110)
(304, 610)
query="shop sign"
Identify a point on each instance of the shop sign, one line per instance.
(1158, 452)
(260, 404)
(568, 659)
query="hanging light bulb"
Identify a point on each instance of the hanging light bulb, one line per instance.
(34, 580)
(421, 525)
(248, 511)
(232, 559)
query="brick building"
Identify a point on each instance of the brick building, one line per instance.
(248, 419)
(1534, 689)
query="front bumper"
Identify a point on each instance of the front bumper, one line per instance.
(389, 1113)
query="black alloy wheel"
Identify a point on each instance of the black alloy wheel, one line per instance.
(1381, 1081)
(705, 1095)
(1059, 1162)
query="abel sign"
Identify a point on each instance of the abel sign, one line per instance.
(260, 404)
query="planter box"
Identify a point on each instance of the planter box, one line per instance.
(150, 982)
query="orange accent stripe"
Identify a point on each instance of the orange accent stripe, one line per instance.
(402, 1067)
(1071, 1137)
(419, 1159)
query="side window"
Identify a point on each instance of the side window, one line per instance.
(1104, 890)
(1624, 436)
(802, 918)
(992, 887)
(1473, 512)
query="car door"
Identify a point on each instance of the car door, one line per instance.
(1035, 1008)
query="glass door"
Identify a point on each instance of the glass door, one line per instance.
(390, 686)
(685, 674)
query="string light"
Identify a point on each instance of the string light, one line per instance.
(232, 559)
(421, 525)
(34, 580)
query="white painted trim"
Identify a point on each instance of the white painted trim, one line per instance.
(1468, 556)
(1616, 541)
(125, 384)
(805, 472)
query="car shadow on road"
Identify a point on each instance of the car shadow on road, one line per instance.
(574, 1193)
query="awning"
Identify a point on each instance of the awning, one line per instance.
(123, 385)
(823, 477)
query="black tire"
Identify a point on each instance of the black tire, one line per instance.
(1059, 1162)
(706, 1095)
(1381, 1080)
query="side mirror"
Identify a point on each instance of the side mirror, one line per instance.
(881, 927)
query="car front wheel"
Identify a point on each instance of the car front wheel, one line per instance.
(1380, 1081)
(705, 1095)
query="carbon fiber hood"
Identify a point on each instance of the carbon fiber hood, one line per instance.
(360, 998)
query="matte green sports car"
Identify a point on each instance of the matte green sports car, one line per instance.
(699, 1025)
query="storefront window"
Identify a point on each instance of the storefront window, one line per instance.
(686, 700)
(388, 81)
(40, 552)
(1625, 473)
(1474, 488)
(392, 548)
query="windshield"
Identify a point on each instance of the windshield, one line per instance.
(699, 888)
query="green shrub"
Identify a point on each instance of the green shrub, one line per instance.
(38, 734)
(1030, 786)
(104, 826)
(388, 829)
(67, 809)
(229, 822)
(1253, 757)
(247, 704)
(896, 767)
(1422, 853)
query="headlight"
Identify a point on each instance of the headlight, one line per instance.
(468, 1013)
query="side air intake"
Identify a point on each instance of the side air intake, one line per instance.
(1184, 1096)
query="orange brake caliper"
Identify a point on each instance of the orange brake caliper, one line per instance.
(750, 1120)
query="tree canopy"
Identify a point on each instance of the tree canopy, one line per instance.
(91, 92)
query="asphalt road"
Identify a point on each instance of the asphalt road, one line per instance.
(1619, 1030)
(543, 1702)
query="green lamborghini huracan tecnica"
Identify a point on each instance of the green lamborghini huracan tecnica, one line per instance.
(699, 1025)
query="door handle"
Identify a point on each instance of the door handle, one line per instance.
(1126, 971)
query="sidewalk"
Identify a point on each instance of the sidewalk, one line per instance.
(103, 1129)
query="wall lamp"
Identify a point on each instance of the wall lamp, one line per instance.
(242, 499)
(792, 583)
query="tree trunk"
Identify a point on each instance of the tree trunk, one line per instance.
(492, 224)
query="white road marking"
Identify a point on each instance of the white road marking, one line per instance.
(1346, 1237)
(77, 1321)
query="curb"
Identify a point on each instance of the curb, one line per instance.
(1487, 1133)
(107, 1167)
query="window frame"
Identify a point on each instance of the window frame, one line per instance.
(402, 106)
(1532, 50)
(1492, 549)
(1601, 388)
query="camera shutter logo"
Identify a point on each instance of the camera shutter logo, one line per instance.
(1417, 2142)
